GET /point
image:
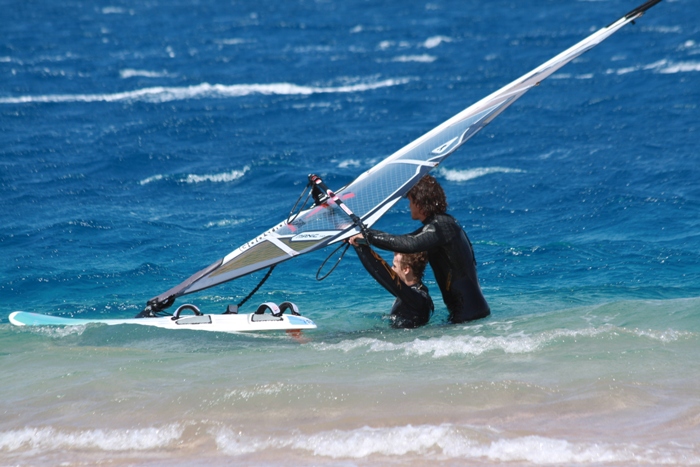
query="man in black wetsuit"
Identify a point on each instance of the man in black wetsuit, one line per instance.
(449, 250)
(413, 305)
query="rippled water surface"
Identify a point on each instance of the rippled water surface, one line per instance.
(141, 141)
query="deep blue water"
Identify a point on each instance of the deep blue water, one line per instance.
(141, 141)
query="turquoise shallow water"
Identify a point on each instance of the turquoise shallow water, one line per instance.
(141, 142)
(587, 385)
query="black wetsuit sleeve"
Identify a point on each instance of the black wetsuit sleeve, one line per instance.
(382, 273)
(423, 239)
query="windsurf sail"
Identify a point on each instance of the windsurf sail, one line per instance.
(373, 193)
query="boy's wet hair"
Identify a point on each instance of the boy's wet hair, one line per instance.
(429, 196)
(415, 261)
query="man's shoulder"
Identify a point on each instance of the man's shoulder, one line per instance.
(443, 220)
(445, 217)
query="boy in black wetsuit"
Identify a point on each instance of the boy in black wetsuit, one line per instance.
(449, 250)
(413, 305)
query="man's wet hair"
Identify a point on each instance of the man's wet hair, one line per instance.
(429, 196)
(415, 261)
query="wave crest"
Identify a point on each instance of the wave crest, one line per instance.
(47, 438)
(224, 177)
(217, 178)
(517, 343)
(161, 94)
(437, 442)
(131, 73)
(424, 58)
(661, 66)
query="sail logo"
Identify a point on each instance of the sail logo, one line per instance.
(251, 243)
(312, 236)
(444, 147)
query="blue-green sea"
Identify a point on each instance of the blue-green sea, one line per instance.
(142, 141)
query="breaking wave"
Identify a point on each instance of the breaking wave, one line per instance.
(518, 343)
(425, 58)
(161, 94)
(129, 73)
(662, 66)
(435, 41)
(425, 442)
(47, 438)
(224, 177)
(217, 178)
(435, 442)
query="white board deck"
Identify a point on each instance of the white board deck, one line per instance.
(219, 323)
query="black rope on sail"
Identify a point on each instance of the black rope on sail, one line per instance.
(318, 184)
(294, 212)
(346, 245)
(257, 287)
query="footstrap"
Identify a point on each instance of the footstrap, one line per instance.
(278, 311)
(274, 309)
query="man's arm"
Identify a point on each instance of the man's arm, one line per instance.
(423, 239)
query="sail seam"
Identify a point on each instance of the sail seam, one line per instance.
(274, 239)
(414, 162)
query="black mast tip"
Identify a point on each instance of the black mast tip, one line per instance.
(642, 8)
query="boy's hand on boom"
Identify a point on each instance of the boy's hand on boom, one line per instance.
(356, 240)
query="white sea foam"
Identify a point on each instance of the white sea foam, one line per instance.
(454, 175)
(661, 66)
(224, 177)
(57, 332)
(425, 58)
(161, 94)
(569, 76)
(234, 41)
(130, 73)
(225, 223)
(154, 178)
(682, 67)
(443, 346)
(516, 343)
(349, 163)
(447, 441)
(218, 178)
(260, 389)
(366, 441)
(669, 335)
(113, 10)
(664, 29)
(435, 41)
(48, 438)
